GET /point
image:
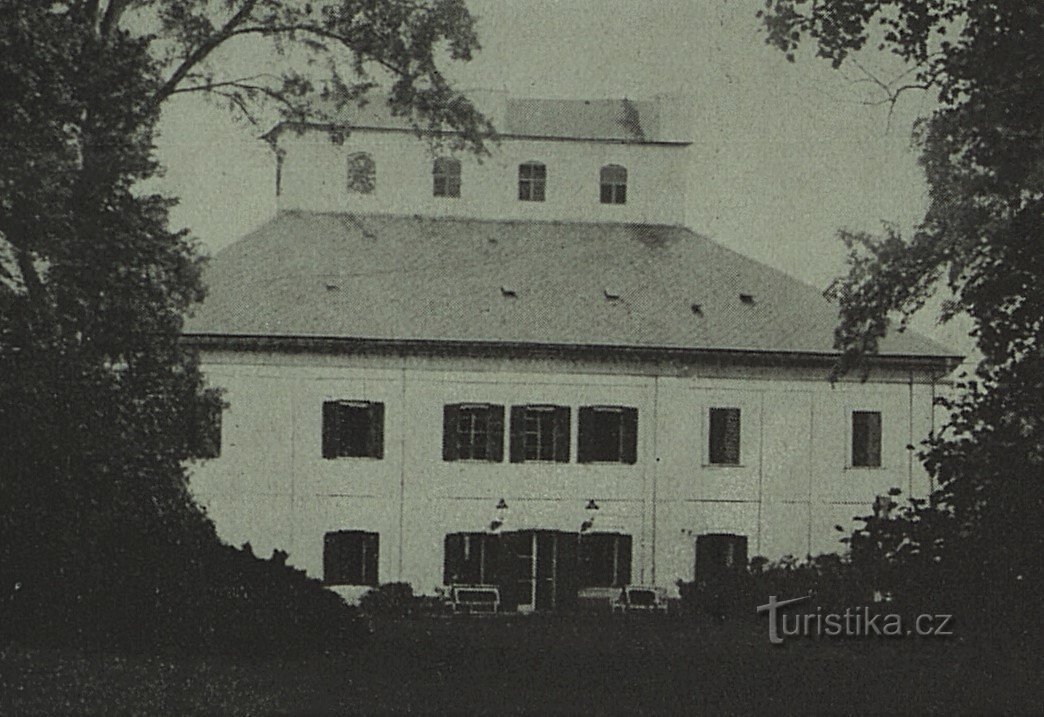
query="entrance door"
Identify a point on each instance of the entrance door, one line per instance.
(545, 569)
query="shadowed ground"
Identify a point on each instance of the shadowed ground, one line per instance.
(547, 664)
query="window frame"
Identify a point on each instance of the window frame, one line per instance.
(446, 170)
(352, 184)
(494, 440)
(850, 442)
(626, 439)
(206, 431)
(710, 433)
(616, 185)
(560, 417)
(622, 559)
(333, 443)
(367, 559)
(532, 185)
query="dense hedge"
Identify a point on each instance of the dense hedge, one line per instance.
(218, 600)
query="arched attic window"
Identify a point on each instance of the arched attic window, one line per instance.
(362, 173)
(613, 181)
(532, 181)
(445, 173)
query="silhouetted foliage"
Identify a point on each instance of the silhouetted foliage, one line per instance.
(101, 405)
(982, 150)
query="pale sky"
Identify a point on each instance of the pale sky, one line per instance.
(784, 154)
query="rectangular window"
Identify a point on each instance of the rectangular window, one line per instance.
(866, 439)
(446, 177)
(608, 434)
(724, 436)
(350, 557)
(353, 429)
(605, 560)
(204, 430)
(470, 559)
(532, 181)
(539, 433)
(473, 431)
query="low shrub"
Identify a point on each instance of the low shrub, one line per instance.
(397, 601)
(212, 600)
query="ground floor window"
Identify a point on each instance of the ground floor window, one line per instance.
(470, 559)
(350, 557)
(605, 560)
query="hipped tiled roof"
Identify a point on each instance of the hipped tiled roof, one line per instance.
(380, 277)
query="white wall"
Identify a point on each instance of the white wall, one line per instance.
(271, 486)
(313, 178)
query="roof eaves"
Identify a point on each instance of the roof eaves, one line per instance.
(320, 342)
(277, 129)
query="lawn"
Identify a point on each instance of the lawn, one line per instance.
(544, 664)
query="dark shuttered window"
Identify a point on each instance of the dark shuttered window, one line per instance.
(350, 557)
(473, 432)
(724, 436)
(470, 559)
(204, 430)
(866, 439)
(608, 434)
(539, 433)
(605, 560)
(353, 429)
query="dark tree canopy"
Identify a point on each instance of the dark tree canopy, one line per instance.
(100, 402)
(982, 150)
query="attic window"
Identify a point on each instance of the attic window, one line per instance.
(747, 298)
(362, 173)
(446, 177)
(613, 182)
(532, 182)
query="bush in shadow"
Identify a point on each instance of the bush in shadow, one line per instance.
(213, 600)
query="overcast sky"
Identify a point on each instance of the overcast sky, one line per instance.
(784, 154)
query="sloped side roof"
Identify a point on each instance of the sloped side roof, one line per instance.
(462, 280)
(583, 119)
(618, 120)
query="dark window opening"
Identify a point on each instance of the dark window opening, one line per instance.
(725, 436)
(866, 439)
(473, 432)
(446, 177)
(613, 181)
(605, 560)
(470, 559)
(353, 429)
(362, 173)
(532, 182)
(350, 557)
(205, 430)
(608, 434)
(539, 433)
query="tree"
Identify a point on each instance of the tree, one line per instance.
(982, 150)
(99, 400)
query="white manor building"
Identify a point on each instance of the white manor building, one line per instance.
(526, 370)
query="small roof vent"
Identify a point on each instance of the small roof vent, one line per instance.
(509, 291)
(697, 309)
(612, 293)
(747, 298)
